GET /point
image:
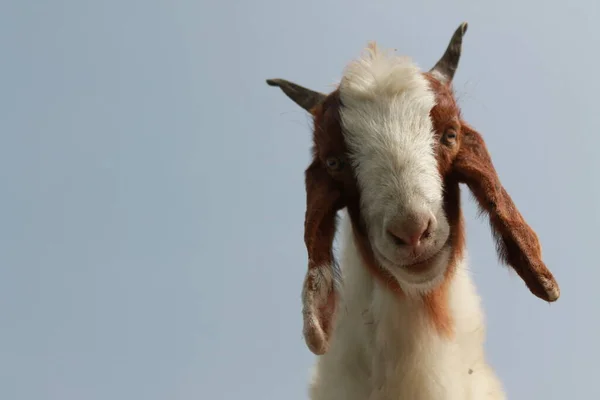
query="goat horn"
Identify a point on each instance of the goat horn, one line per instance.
(302, 96)
(445, 68)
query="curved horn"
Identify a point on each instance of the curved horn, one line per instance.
(445, 68)
(302, 96)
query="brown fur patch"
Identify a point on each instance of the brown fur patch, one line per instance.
(516, 243)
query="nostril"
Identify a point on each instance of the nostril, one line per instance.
(396, 238)
(427, 232)
(418, 233)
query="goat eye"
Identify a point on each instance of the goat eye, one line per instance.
(450, 135)
(334, 163)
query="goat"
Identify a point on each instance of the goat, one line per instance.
(390, 151)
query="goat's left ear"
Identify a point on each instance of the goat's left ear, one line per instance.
(305, 98)
(517, 244)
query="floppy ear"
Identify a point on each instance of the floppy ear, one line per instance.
(517, 244)
(318, 294)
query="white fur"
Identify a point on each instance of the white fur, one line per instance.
(315, 295)
(389, 133)
(383, 348)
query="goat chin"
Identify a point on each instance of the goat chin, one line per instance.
(422, 277)
(385, 347)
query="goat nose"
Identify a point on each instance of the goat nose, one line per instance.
(411, 233)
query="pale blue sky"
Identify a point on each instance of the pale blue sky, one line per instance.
(152, 196)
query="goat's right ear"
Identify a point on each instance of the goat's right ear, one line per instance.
(323, 200)
(305, 98)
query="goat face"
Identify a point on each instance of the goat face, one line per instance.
(391, 147)
(385, 106)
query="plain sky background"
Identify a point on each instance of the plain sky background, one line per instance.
(152, 195)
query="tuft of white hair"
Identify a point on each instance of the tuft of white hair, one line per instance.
(381, 73)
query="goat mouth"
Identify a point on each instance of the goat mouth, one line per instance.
(417, 266)
(422, 265)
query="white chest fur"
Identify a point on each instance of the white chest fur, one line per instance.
(385, 348)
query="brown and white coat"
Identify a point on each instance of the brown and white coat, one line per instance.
(390, 150)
